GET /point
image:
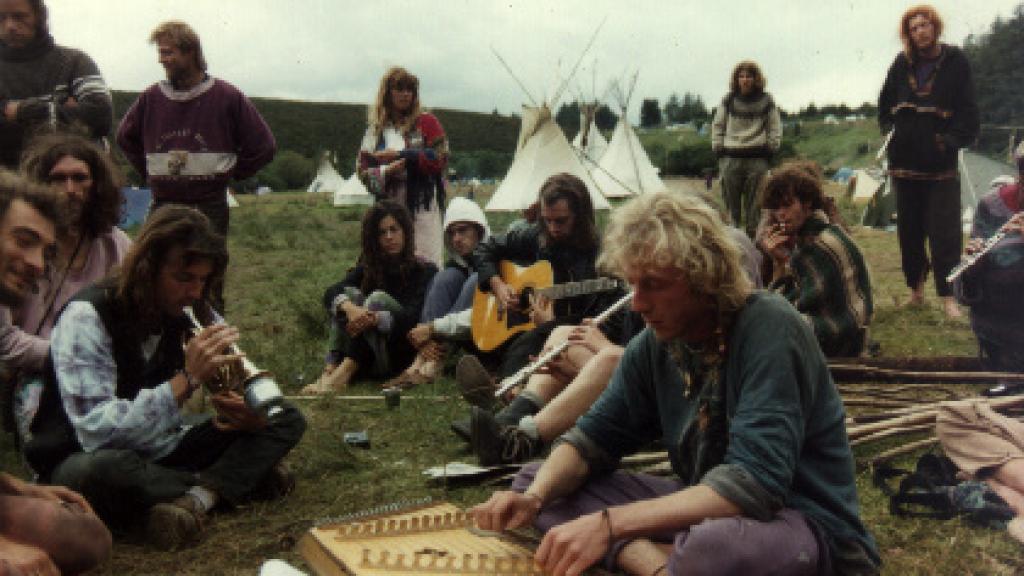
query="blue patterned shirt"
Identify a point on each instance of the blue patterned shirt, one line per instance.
(83, 357)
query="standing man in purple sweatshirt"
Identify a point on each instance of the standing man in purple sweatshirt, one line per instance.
(191, 134)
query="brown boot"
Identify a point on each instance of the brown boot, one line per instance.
(176, 524)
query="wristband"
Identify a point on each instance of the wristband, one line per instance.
(193, 383)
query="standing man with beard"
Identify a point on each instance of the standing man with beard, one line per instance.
(745, 133)
(928, 103)
(192, 134)
(43, 85)
(45, 530)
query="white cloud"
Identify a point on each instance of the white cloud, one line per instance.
(825, 51)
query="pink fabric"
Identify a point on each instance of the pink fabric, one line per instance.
(977, 438)
(19, 344)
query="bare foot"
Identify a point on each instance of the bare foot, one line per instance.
(950, 307)
(1016, 528)
(916, 296)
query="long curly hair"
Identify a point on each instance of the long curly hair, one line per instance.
(574, 191)
(375, 262)
(669, 230)
(751, 67)
(102, 210)
(928, 12)
(168, 228)
(381, 113)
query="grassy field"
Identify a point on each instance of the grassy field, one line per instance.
(285, 248)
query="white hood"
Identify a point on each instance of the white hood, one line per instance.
(462, 209)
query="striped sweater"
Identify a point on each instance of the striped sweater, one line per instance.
(42, 77)
(828, 282)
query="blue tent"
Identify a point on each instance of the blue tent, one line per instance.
(843, 175)
(135, 207)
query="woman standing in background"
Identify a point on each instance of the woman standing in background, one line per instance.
(403, 158)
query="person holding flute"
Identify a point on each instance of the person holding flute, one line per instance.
(734, 385)
(991, 285)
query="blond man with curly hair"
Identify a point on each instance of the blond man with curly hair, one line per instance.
(733, 384)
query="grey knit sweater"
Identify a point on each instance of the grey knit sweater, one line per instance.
(42, 77)
(746, 127)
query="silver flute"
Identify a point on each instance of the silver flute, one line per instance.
(525, 372)
(970, 259)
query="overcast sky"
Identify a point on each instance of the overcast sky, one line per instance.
(822, 51)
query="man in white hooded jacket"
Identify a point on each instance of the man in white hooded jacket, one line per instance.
(447, 307)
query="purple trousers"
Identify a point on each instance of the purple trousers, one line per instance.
(786, 545)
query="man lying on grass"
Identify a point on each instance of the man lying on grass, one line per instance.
(735, 386)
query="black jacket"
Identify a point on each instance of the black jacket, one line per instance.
(409, 291)
(943, 109)
(523, 247)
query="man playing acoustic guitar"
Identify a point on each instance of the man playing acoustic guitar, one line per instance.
(564, 236)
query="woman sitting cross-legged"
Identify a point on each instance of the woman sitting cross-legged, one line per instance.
(449, 296)
(377, 303)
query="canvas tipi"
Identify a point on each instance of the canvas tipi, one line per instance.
(327, 178)
(624, 169)
(352, 193)
(589, 142)
(542, 151)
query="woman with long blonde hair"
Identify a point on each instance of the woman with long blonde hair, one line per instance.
(403, 158)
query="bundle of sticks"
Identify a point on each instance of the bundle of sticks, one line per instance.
(899, 418)
(938, 369)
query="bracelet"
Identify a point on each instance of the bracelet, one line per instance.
(659, 569)
(608, 519)
(192, 383)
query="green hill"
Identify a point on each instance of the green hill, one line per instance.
(309, 128)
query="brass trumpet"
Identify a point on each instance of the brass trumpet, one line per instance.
(261, 393)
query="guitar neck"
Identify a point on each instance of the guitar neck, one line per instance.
(571, 289)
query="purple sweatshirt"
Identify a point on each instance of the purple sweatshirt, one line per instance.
(190, 143)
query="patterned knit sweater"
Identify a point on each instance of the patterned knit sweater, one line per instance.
(42, 77)
(828, 282)
(746, 127)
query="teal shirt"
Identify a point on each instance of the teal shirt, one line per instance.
(787, 443)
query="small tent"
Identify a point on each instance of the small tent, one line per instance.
(232, 201)
(542, 151)
(327, 178)
(976, 175)
(863, 184)
(625, 169)
(352, 192)
(843, 175)
(135, 207)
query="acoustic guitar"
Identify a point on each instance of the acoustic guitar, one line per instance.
(492, 326)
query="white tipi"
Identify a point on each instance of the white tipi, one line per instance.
(625, 169)
(352, 193)
(327, 178)
(589, 142)
(543, 151)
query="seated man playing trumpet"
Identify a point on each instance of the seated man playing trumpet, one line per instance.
(124, 358)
